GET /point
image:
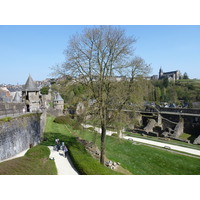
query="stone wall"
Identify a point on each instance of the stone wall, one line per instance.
(197, 140)
(20, 133)
(179, 128)
(11, 108)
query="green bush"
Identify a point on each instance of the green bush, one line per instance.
(44, 90)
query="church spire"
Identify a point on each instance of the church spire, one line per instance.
(160, 72)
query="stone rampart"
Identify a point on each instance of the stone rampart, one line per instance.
(20, 133)
(11, 108)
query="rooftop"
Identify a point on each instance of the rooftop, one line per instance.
(30, 85)
(58, 97)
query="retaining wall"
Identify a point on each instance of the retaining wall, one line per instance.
(20, 133)
(11, 108)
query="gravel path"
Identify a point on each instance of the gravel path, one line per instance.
(64, 165)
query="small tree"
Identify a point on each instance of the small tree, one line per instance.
(44, 90)
(185, 76)
(165, 82)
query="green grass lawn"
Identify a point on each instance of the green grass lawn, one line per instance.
(35, 162)
(145, 160)
(141, 159)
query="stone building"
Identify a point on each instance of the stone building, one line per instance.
(30, 95)
(172, 76)
(58, 102)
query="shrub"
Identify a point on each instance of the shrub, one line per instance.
(44, 90)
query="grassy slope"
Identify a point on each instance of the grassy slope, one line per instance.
(82, 160)
(145, 160)
(35, 162)
(140, 159)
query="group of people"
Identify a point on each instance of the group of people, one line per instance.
(61, 147)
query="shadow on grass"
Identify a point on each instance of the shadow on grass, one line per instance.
(50, 137)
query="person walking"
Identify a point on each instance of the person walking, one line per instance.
(65, 151)
(63, 146)
(58, 147)
(57, 141)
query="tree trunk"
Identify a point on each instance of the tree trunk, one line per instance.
(103, 139)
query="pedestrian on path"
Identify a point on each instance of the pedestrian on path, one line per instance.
(57, 141)
(64, 166)
(58, 147)
(63, 146)
(65, 151)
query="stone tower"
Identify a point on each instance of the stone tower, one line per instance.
(58, 102)
(30, 95)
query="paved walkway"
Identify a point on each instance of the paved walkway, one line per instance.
(64, 165)
(167, 146)
(159, 144)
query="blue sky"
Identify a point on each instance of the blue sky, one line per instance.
(34, 49)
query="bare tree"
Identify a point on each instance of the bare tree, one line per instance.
(95, 57)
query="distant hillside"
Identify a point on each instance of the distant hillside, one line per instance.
(180, 92)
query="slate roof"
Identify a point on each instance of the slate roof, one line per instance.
(58, 97)
(30, 85)
(17, 98)
(173, 72)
